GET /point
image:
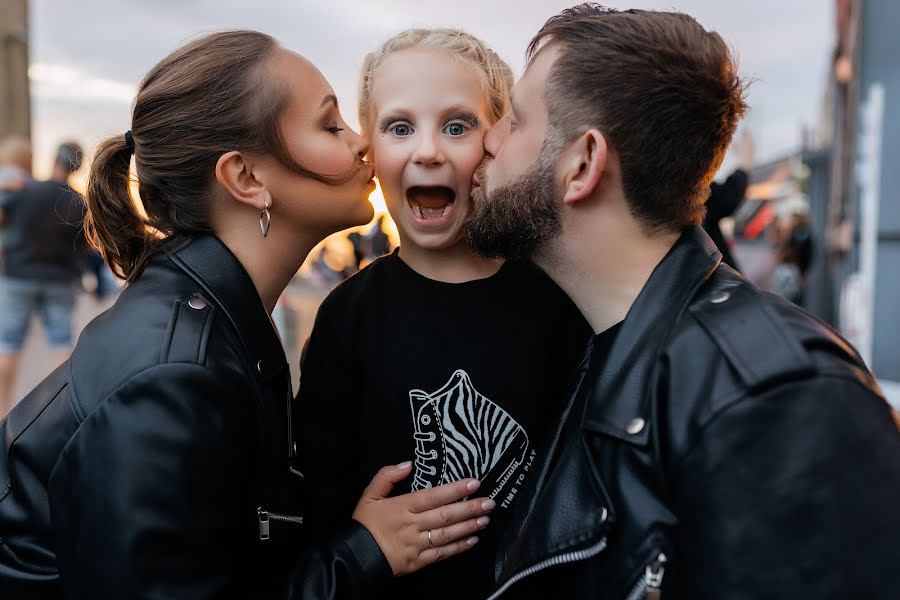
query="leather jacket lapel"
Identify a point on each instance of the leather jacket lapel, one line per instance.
(618, 406)
(563, 522)
(209, 262)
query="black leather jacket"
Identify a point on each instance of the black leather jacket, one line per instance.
(731, 446)
(139, 467)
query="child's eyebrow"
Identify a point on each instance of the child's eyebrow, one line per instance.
(387, 120)
(462, 114)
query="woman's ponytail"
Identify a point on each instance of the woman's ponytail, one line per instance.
(113, 224)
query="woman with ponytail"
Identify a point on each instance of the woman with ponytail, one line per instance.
(159, 460)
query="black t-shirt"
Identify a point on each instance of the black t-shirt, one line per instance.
(466, 380)
(584, 381)
(42, 237)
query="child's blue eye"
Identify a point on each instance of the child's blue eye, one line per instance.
(455, 129)
(402, 129)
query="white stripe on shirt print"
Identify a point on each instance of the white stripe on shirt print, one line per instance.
(460, 433)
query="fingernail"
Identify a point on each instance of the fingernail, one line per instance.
(472, 541)
(404, 465)
(488, 504)
(473, 485)
(482, 521)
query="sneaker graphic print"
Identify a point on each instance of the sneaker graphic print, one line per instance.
(460, 433)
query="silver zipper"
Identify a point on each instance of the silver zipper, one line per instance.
(553, 561)
(650, 585)
(266, 516)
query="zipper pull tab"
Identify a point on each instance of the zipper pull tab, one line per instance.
(263, 523)
(653, 577)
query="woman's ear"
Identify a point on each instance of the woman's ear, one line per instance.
(234, 172)
(584, 162)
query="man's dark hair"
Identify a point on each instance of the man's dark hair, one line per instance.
(662, 90)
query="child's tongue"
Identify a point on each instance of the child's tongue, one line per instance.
(429, 203)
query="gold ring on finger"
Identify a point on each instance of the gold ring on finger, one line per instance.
(430, 543)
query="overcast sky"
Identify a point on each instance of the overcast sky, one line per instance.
(87, 56)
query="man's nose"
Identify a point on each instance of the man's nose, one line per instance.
(495, 135)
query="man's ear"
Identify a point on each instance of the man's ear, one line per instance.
(583, 164)
(234, 172)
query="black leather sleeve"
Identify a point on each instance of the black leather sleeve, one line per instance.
(328, 420)
(146, 500)
(786, 496)
(347, 564)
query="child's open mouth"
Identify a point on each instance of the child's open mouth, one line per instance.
(430, 202)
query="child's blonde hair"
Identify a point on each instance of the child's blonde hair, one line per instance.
(496, 76)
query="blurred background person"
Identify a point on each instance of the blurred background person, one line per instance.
(15, 171)
(15, 164)
(360, 252)
(43, 246)
(792, 240)
(369, 245)
(103, 280)
(379, 241)
(725, 198)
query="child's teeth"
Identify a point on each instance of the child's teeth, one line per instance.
(425, 213)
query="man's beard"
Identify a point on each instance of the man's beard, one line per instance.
(513, 220)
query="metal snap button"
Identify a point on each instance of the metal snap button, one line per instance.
(197, 303)
(635, 426)
(720, 298)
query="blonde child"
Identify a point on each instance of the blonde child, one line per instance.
(433, 354)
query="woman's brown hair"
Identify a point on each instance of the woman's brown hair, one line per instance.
(209, 97)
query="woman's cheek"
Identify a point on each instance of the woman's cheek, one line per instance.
(331, 158)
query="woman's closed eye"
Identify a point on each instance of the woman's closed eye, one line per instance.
(332, 127)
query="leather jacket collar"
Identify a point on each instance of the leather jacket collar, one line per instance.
(215, 269)
(568, 521)
(627, 370)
